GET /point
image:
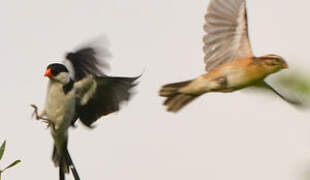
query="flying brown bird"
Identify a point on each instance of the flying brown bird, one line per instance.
(230, 63)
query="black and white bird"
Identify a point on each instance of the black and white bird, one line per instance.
(78, 89)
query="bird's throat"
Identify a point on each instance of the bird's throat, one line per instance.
(68, 87)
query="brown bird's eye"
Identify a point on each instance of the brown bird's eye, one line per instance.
(273, 62)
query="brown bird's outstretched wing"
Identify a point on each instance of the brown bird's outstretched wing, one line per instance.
(226, 30)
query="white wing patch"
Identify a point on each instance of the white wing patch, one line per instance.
(88, 94)
(85, 89)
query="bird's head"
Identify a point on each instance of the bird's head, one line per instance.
(57, 72)
(273, 63)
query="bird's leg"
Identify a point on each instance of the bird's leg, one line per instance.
(35, 112)
(38, 117)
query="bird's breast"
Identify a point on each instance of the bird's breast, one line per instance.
(237, 74)
(60, 106)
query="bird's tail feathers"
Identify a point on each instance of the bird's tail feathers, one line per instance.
(175, 100)
(173, 88)
(60, 160)
(64, 162)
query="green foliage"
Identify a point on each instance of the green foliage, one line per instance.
(2, 149)
(298, 82)
(295, 85)
(12, 164)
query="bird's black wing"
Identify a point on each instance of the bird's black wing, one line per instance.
(110, 93)
(87, 61)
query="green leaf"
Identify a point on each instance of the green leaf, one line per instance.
(2, 148)
(13, 164)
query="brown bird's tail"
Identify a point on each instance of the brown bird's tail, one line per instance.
(175, 99)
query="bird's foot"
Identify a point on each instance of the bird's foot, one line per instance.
(35, 112)
(45, 120)
(48, 122)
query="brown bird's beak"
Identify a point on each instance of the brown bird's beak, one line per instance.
(285, 66)
(48, 73)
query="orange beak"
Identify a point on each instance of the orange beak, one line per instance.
(285, 66)
(48, 73)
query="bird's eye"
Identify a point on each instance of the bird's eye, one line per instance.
(273, 62)
(54, 71)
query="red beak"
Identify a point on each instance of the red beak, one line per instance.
(48, 73)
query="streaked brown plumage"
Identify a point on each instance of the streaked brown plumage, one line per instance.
(230, 63)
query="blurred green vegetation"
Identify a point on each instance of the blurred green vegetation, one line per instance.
(294, 84)
(296, 81)
(2, 149)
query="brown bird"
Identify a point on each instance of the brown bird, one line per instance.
(230, 63)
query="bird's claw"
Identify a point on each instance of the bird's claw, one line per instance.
(48, 122)
(35, 112)
(45, 120)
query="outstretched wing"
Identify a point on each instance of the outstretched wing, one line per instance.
(227, 33)
(87, 60)
(110, 92)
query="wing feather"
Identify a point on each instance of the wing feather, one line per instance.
(97, 94)
(226, 30)
(110, 93)
(88, 60)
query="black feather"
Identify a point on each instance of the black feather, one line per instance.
(57, 68)
(85, 61)
(68, 87)
(110, 93)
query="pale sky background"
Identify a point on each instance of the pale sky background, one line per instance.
(219, 136)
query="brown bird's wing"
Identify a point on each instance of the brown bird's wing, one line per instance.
(227, 33)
